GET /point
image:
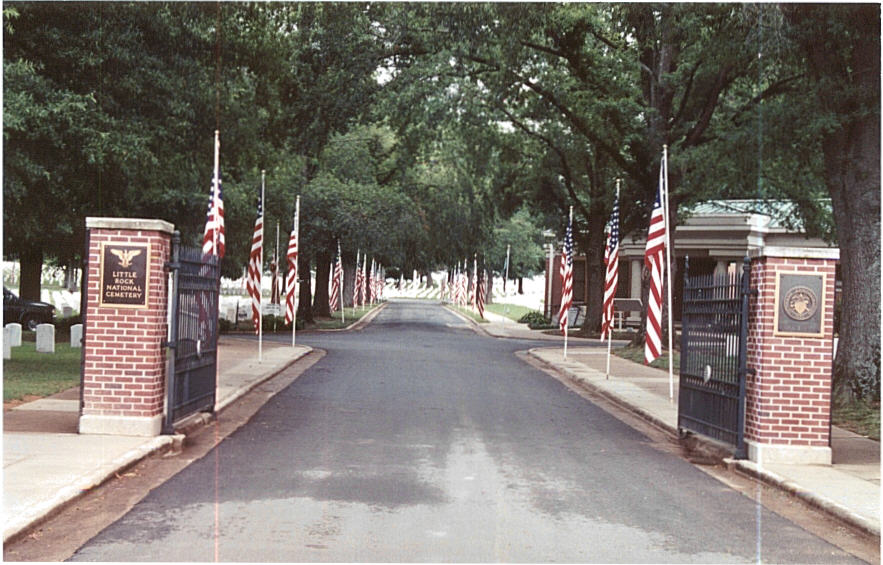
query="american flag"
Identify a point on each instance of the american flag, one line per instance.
(378, 282)
(464, 285)
(474, 290)
(336, 283)
(292, 277)
(566, 276)
(255, 267)
(461, 286)
(611, 259)
(369, 282)
(482, 290)
(357, 285)
(363, 287)
(213, 236)
(653, 259)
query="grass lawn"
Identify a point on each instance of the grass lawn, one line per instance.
(40, 374)
(334, 323)
(511, 311)
(469, 313)
(636, 354)
(862, 418)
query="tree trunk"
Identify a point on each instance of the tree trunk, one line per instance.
(305, 296)
(595, 273)
(846, 71)
(321, 308)
(31, 272)
(349, 281)
(489, 296)
(852, 164)
(520, 285)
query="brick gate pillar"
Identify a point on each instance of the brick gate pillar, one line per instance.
(124, 326)
(790, 346)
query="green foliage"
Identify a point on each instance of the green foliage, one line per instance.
(511, 311)
(350, 317)
(40, 374)
(636, 353)
(535, 320)
(524, 237)
(861, 417)
(63, 326)
(422, 133)
(272, 324)
(225, 326)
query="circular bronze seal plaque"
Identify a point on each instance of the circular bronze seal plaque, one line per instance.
(800, 303)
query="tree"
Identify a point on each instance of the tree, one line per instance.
(521, 235)
(840, 45)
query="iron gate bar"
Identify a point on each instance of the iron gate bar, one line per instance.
(192, 371)
(711, 397)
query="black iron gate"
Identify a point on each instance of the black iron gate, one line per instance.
(193, 333)
(711, 397)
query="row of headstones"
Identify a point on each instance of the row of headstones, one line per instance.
(45, 338)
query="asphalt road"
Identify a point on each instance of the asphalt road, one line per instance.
(418, 440)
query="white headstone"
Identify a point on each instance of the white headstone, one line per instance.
(45, 338)
(7, 349)
(67, 311)
(77, 335)
(14, 334)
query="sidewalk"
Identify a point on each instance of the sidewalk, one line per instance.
(849, 489)
(46, 463)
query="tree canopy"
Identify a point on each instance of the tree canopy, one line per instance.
(427, 133)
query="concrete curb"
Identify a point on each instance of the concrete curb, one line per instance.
(239, 393)
(746, 467)
(770, 478)
(361, 322)
(34, 515)
(473, 324)
(45, 509)
(613, 397)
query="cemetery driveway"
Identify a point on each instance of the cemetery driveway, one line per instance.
(416, 440)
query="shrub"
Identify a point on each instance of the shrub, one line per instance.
(535, 320)
(63, 326)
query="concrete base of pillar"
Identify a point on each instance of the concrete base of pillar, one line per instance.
(768, 454)
(142, 426)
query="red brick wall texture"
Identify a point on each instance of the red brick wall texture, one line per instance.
(789, 399)
(125, 362)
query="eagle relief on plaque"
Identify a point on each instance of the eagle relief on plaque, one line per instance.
(124, 275)
(800, 304)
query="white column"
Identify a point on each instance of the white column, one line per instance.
(635, 290)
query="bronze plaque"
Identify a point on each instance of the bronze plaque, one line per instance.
(800, 304)
(125, 274)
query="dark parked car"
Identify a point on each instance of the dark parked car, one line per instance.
(28, 313)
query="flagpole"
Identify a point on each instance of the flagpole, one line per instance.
(278, 269)
(296, 281)
(355, 298)
(671, 393)
(475, 284)
(260, 289)
(506, 276)
(610, 321)
(340, 285)
(216, 228)
(567, 314)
